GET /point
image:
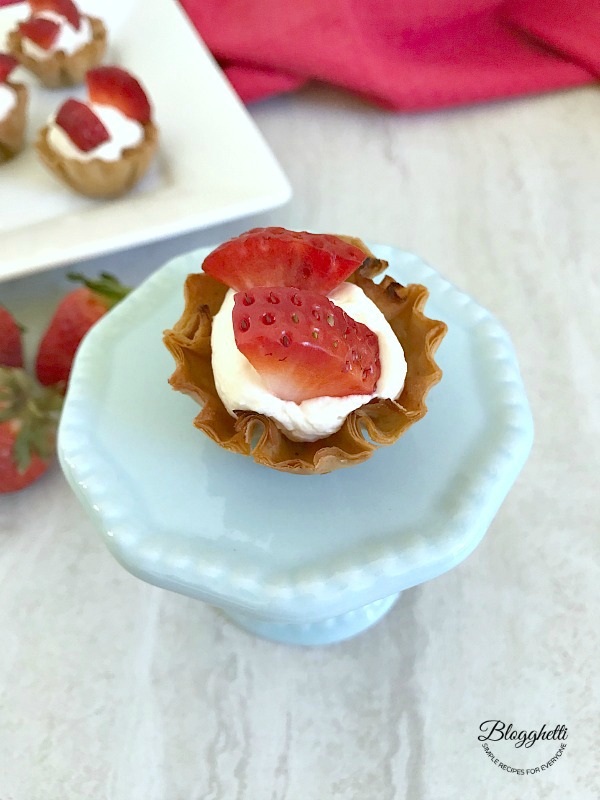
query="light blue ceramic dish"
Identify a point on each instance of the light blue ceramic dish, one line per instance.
(299, 559)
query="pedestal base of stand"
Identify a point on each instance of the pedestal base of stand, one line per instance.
(327, 631)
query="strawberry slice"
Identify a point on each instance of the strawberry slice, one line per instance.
(303, 345)
(7, 64)
(113, 86)
(276, 256)
(81, 125)
(64, 8)
(11, 348)
(41, 31)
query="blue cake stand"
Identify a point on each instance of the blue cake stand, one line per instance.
(304, 560)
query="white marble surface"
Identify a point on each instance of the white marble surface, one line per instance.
(113, 689)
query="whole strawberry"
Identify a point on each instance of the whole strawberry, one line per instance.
(11, 350)
(29, 415)
(75, 315)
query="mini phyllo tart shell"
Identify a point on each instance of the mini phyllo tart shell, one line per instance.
(379, 422)
(63, 69)
(98, 178)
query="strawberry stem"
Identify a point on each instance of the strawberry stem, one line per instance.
(107, 287)
(34, 410)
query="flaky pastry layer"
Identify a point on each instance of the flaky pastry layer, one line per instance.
(378, 423)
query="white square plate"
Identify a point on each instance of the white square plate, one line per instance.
(213, 164)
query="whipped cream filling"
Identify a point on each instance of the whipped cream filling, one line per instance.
(69, 39)
(123, 131)
(241, 388)
(8, 100)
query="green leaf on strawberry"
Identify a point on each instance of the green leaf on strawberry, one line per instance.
(107, 288)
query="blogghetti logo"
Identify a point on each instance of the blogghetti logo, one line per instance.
(499, 738)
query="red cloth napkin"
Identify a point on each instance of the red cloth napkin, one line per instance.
(404, 54)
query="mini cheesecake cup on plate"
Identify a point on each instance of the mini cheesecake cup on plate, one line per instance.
(379, 422)
(13, 126)
(98, 178)
(62, 69)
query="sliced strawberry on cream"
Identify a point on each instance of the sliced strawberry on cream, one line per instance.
(303, 346)
(58, 43)
(242, 387)
(112, 136)
(63, 8)
(121, 134)
(81, 125)
(276, 256)
(109, 127)
(54, 26)
(113, 86)
(41, 31)
(298, 343)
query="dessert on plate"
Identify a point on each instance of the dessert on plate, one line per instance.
(13, 110)
(58, 43)
(297, 356)
(102, 147)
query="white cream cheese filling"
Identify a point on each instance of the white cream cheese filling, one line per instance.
(241, 388)
(123, 131)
